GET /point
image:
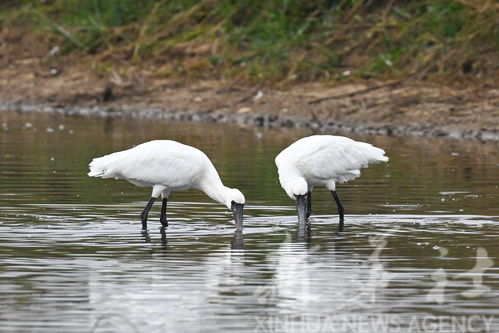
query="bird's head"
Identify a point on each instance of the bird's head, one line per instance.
(296, 187)
(233, 195)
(235, 202)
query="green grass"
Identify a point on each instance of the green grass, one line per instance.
(282, 40)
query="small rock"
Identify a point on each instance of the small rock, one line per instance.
(107, 93)
(116, 78)
(244, 110)
(53, 51)
(54, 71)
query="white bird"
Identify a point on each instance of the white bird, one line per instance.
(322, 160)
(168, 166)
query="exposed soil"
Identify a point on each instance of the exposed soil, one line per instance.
(34, 82)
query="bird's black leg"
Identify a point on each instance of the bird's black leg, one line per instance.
(162, 219)
(309, 205)
(340, 208)
(143, 215)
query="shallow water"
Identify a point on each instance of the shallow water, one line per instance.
(73, 257)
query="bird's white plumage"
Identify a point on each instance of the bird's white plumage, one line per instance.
(156, 162)
(166, 166)
(323, 160)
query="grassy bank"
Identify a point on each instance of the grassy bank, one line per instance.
(272, 41)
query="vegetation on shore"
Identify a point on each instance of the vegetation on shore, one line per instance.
(273, 41)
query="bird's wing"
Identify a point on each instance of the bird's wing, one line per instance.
(336, 159)
(173, 167)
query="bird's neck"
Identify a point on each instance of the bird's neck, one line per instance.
(215, 189)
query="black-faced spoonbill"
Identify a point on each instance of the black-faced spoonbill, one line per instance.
(322, 160)
(167, 166)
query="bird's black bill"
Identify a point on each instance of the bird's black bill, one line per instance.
(237, 209)
(301, 207)
(309, 205)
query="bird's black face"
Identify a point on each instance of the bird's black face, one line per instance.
(301, 208)
(237, 210)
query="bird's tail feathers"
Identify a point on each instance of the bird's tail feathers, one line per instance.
(373, 154)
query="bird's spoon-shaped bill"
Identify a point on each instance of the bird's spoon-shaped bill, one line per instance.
(301, 207)
(237, 210)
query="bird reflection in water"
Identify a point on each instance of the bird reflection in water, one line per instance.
(147, 237)
(164, 241)
(304, 233)
(237, 241)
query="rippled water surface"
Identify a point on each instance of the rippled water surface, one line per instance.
(419, 252)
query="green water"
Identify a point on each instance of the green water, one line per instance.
(73, 257)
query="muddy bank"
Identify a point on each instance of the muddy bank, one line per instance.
(260, 120)
(400, 107)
